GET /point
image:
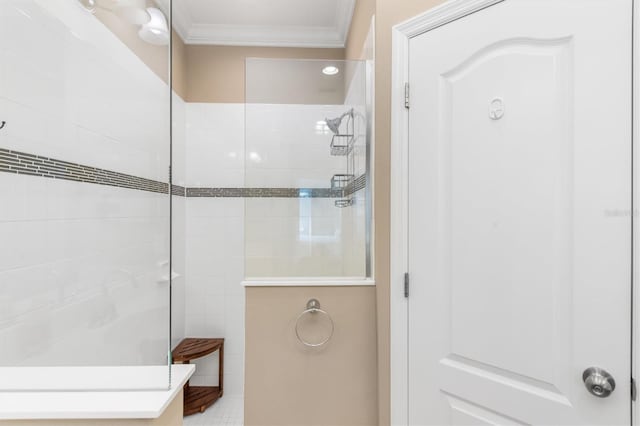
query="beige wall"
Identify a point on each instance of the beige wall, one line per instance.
(172, 416)
(216, 73)
(293, 82)
(388, 13)
(288, 384)
(156, 57)
(360, 25)
(179, 65)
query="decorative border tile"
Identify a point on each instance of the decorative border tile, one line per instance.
(36, 165)
(178, 190)
(264, 192)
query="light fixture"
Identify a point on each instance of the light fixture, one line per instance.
(132, 11)
(330, 70)
(156, 31)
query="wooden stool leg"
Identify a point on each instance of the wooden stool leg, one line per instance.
(221, 369)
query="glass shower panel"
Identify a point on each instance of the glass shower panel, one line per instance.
(306, 169)
(84, 164)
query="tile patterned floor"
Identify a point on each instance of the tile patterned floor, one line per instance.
(227, 411)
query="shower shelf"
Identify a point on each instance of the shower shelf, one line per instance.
(347, 202)
(342, 145)
(340, 182)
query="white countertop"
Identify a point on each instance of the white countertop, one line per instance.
(112, 404)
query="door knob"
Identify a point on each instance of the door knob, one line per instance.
(598, 382)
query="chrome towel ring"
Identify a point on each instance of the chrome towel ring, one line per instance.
(313, 308)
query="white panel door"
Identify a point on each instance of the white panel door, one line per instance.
(519, 214)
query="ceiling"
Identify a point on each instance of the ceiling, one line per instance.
(281, 23)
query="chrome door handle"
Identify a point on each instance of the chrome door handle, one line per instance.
(598, 382)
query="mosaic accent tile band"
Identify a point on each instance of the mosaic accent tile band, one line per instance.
(36, 165)
(178, 190)
(264, 192)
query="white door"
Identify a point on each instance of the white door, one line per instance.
(519, 223)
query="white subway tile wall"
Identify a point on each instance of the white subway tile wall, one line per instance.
(84, 268)
(215, 145)
(179, 217)
(214, 291)
(215, 240)
(354, 218)
(81, 265)
(286, 146)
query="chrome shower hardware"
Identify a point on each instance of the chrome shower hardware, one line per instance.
(347, 202)
(341, 142)
(340, 182)
(313, 308)
(334, 123)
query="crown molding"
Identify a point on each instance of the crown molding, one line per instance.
(265, 36)
(344, 17)
(245, 35)
(181, 19)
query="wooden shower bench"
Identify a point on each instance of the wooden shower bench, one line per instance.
(199, 398)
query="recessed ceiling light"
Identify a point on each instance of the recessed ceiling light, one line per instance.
(330, 70)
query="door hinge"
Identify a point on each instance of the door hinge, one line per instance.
(406, 95)
(406, 284)
(634, 390)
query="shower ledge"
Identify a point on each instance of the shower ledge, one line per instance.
(89, 404)
(309, 282)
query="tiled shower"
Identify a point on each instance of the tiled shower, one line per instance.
(259, 206)
(129, 210)
(84, 217)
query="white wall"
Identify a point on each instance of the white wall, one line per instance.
(179, 217)
(294, 237)
(287, 147)
(354, 218)
(80, 263)
(215, 239)
(214, 293)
